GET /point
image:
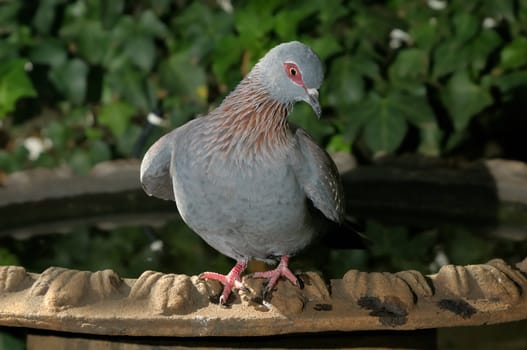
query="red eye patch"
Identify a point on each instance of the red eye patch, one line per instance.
(293, 73)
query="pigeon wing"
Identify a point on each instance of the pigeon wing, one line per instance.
(155, 167)
(319, 177)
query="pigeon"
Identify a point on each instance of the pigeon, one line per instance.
(247, 183)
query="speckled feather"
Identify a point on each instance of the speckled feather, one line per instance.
(240, 177)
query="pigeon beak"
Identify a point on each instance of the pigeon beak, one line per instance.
(313, 101)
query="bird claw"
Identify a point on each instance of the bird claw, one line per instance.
(230, 281)
(273, 275)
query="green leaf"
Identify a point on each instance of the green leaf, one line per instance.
(110, 12)
(287, 20)
(466, 26)
(430, 139)
(338, 143)
(449, 56)
(99, 152)
(58, 133)
(344, 85)
(255, 20)
(425, 34)
(324, 47)
(464, 99)
(70, 79)
(9, 12)
(181, 75)
(415, 109)
(7, 258)
(127, 141)
(509, 82)
(141, 51)
(116, 116)
(93, 42)
(410, 70)
(356, 116)
(45, 15)
(79, 160)
(385, 131)
(502, 8)
(482, 47)
(151, 24)
(514, 55)
(50, 52)
(14, 84)
(410, 64)
(131, 85)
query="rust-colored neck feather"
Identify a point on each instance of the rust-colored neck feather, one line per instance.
(249, 122)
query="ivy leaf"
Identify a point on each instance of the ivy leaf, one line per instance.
(514, 55)
(344, 85)
(131, 84)
(116, 116)
(386, 128)
(417, 111)
(70, 79)
(464, 99)
(92, 40)
(182, 76)
(141, 51)
(410, 64)
(449, 56)
(410, 70)
(14, 84)
(50, 52)
(482, 47)
(45, 15)
(466, 26)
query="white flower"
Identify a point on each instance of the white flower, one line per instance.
(489, 23)
(154, 119)
(156, 246)
(437, 4)
(36, 146)
(226, 5)
(440, 260)
(28, 66)
(398, 37)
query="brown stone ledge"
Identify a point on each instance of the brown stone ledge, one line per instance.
(157, 304)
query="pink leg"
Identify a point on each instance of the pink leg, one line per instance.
(230, 281)
(274, 275)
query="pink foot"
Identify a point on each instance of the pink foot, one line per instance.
(230, 281)
(274, 275)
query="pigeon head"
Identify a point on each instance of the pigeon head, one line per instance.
(292, 72)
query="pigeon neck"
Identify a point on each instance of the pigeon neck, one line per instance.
(251, 122)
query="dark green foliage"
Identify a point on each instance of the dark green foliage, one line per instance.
(402, 76)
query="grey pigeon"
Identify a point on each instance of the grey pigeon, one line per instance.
(242, 179)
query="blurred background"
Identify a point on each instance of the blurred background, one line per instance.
(437, 79)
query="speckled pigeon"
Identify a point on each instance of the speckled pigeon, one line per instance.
(242, 179)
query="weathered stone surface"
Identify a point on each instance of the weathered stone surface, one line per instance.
(476, 282)
(157, 304)
(170, 294)
(12, 278)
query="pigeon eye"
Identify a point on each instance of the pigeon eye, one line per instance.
(293, 73)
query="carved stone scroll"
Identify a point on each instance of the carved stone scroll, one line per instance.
(157, 304)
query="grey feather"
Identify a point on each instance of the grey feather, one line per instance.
(155, 167)
(319, 177)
